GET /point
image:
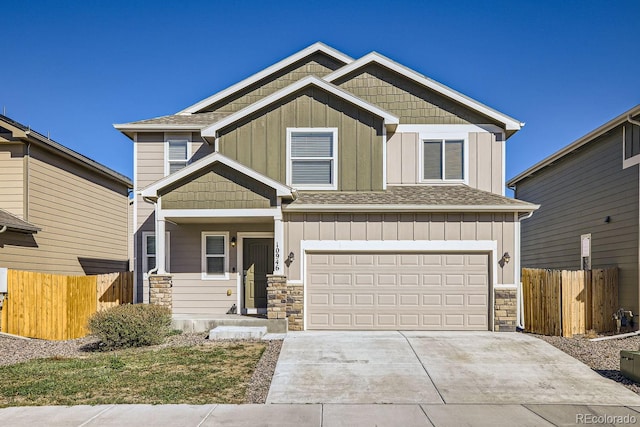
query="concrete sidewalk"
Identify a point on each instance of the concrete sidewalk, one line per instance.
(326, 415)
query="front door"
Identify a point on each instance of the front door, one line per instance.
(257, 257)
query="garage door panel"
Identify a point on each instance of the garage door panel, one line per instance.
(364, 279)
(386, 291)
(410, 279)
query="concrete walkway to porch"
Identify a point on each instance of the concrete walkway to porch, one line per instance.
(206, 322)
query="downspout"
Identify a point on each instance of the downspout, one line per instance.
(3, 229)
(519, 294)
(26, 181)
(155, 204)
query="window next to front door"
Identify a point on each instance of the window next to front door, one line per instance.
(215, 255)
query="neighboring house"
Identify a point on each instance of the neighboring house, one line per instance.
(589, 213)
(60, 212)
(373, 194)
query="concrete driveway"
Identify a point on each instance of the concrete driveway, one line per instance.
(435, 368)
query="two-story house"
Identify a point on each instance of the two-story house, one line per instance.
(589, 213)
(60, 212)
(371, 196)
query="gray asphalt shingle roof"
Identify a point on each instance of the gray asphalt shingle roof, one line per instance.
(424, 195)
(198, 119)
(14, 223)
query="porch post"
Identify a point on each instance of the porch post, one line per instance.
(278, 242)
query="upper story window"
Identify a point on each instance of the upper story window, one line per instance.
(177, 153)
(312, 158)
(443, 159)
(631, 136)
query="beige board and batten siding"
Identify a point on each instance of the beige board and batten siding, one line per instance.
(411, 102)
(406, 226)
(12, 178)
(191, 294)
(485, 160)
(576, 194)
(260, 141)
(318, 64)
(72, 206)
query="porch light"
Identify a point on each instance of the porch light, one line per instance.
(233, 242)
(506, 257)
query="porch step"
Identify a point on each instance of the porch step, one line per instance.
(237, 332)
(206, 322)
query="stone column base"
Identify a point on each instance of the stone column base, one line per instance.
(160, 292)
(505, 310)
(285, 301)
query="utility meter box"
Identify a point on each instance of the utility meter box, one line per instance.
(4, 277)
(630, 364)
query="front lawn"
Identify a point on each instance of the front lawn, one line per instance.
(212, 373)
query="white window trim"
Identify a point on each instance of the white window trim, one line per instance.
(334, 172)
(443, 137)
(176, 137)
(203, 255)
(145, 255)
(631, 161)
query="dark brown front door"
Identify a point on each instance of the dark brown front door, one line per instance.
(257, 257)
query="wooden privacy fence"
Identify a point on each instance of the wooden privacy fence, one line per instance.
(56, 307)
(569, 302)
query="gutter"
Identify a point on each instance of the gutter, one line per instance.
(411, 208)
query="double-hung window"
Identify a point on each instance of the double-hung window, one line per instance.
(312, 158)
(149, 251)
(177, 155)
(443, 159)
(215, 256)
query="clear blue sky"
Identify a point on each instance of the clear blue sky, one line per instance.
(74, 68)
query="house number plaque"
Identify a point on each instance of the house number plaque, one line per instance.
(277, 258)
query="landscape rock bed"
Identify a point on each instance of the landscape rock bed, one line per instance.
(601, 356)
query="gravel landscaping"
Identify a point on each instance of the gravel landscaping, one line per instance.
(16, 350)
(601, 356)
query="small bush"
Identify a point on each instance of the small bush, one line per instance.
(131, 325)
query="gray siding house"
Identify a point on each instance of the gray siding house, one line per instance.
(589, 214)
(370, 194)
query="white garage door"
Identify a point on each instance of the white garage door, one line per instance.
(391, 291)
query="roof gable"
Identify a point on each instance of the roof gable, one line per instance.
(596, 133)
(266, 73)
(388, 118)
(509, 123)
(196, 169)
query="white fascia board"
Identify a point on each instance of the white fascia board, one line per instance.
(316, 47)
(408, 208)
(611, 124)
(218, 213)
(152, 190)
(389, 118)
(155, 126)
(509, 122)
